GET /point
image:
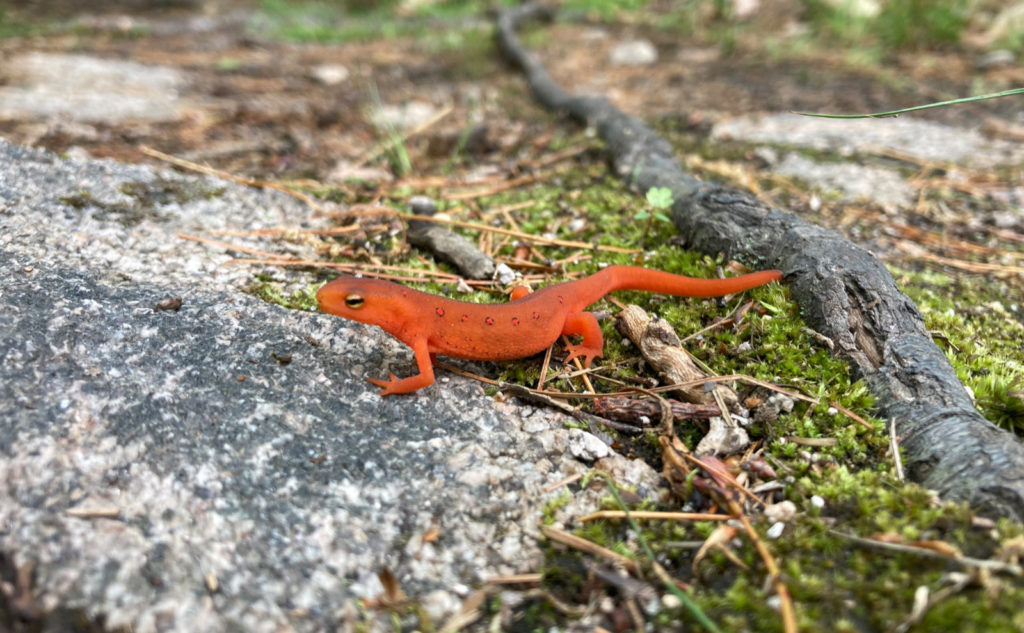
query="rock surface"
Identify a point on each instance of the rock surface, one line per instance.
(918, 139)
(915, 139)
(224, 466)
(850, 182)
(87, 89)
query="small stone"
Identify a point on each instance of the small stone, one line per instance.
(782, 511)
(439, 604)
(743, 9)
(768, 156)
(422, 205)
(999, 58)
(405, 116)
(82, 88)
(586, 447)
(345, 171)
(920, 139)
(504, 274)
(850, 182)
(330, 74)
(634, 53)
(77, 153)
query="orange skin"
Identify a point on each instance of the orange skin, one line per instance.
(528, 324)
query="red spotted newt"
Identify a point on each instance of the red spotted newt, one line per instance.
(526, 325)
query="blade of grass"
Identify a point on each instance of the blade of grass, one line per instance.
(939, 104)
(663, 575)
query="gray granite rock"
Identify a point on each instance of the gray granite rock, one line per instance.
(634, 53)
(850, 182)
(87, 89)
(913, 137)
(224, 466)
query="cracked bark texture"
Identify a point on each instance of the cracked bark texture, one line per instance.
(843, 292)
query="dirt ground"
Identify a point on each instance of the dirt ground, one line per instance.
(255, 108)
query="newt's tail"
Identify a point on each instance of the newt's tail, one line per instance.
(633, 278)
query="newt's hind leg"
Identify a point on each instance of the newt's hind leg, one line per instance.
(518, 292)
(584, 323)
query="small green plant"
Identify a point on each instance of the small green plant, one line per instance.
(14, 25)
(1001, 398)
(897, 24)
(659, 199)
(392, 139)
(606, 9)
(921, 23)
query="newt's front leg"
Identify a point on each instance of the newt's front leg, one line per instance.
(592, 346)
(425, 362)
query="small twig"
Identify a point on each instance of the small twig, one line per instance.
(515, 579)
(538, 239)
(627, 586)
(563, 607)
(338, 230)
(635, 615)
(631, 409)
(659, 571)
(812, 441)
(571, 479)
(383, 146)
(664, 388)
(551, 159)
(493, 189)
(579, 368)
(232, 247)
(544, 366)
(963, 561)
(533, 396)
(94, 513)
(714, 467)
(781, 590)
(850, 414)
(653, 515)
(920, 610)
(460, 620)
(894, 446)
(582, 544)
(370, 270)
(713, 326)
(210, 171)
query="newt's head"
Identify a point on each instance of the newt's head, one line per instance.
(370, 301)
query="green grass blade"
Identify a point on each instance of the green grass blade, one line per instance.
(892, 113)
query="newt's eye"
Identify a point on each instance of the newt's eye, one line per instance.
(354, 301)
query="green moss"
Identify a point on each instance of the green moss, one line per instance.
(552, 507)
(921, 23)
(340, 22)
(162, 191)
(269, 290)
(19, 23)
(978, 323)
(149, 197)
(899, 23)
